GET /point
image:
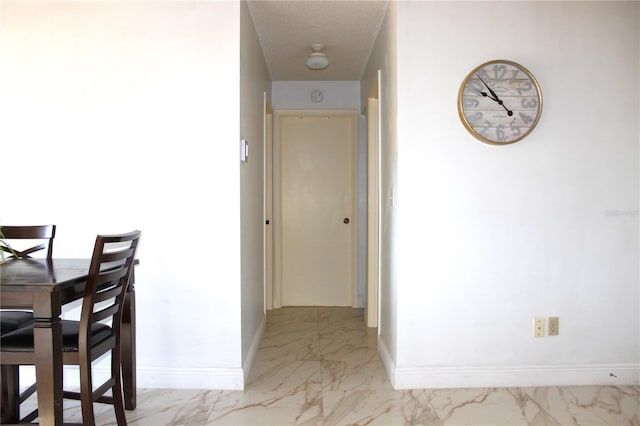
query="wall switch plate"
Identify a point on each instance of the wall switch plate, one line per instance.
(538, 327)
(244, 150)
(554, 326)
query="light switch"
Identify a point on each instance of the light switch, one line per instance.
(244, 150)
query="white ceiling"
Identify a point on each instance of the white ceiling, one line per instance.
(347, 28)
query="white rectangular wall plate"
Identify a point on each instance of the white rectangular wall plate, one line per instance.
(244, 150)
(554, 326)
(538, 327)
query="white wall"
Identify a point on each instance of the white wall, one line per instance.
(383, 58)
(255, 82)
(491, 237)
(136, 100)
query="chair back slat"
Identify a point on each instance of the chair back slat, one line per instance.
(109, 275)
(13, 233)
(107, 294)
(115, 256)
(103, 314)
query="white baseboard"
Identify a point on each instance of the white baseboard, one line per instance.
(253, 349)
(182, 378)
(171, 378)
(179, 378)
(387, 360)
(192, 378)
(516, 376)
(405, 378)
(508, 376)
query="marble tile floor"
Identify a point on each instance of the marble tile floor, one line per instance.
(320, 366)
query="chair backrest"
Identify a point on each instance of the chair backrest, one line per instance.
(109, 274)
(44, 232)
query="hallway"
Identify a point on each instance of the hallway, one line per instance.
(319, 366)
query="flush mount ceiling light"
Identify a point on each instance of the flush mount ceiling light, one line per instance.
(317, 60)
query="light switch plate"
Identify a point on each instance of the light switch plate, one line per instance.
(244, 150)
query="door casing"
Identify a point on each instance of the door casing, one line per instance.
(373, 213)
(268, 204)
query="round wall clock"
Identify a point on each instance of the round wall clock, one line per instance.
(317, 95)
(500, 102)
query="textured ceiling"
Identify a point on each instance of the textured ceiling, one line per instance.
(347, 28)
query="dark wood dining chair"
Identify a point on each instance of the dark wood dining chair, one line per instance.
(12, 320)
(12, 233)
(89, 338)
(10, 238)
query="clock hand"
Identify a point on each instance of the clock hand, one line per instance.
(486, 95)
(494, 96)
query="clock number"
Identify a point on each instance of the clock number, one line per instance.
(526, 118)
(500, 133)
(529, 103)
(515, 130)
(526, 87)
(486, 127)
(513, 77)
(484, 75)
(470, 102)
(474, 117)
(474, 86)
(499, 71)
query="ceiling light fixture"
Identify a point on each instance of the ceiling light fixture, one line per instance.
(317, 60)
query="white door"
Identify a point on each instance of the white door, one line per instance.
(318, 226)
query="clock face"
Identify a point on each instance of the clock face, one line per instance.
(317, 95)
(500, 102)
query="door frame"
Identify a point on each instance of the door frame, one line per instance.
(373, 209)
(268, 204)
(277, 209)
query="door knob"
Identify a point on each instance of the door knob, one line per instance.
(346, 220)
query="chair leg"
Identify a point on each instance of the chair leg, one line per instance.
(118, 400)
(10, 384)
(86, 392)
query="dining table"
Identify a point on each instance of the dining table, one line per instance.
(44, 286)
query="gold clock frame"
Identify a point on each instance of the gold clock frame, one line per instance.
(463, 117)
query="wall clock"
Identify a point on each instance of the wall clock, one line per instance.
(500, 102)
(317, 95)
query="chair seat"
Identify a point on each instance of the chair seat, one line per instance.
(21, 340)
(13, 320)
